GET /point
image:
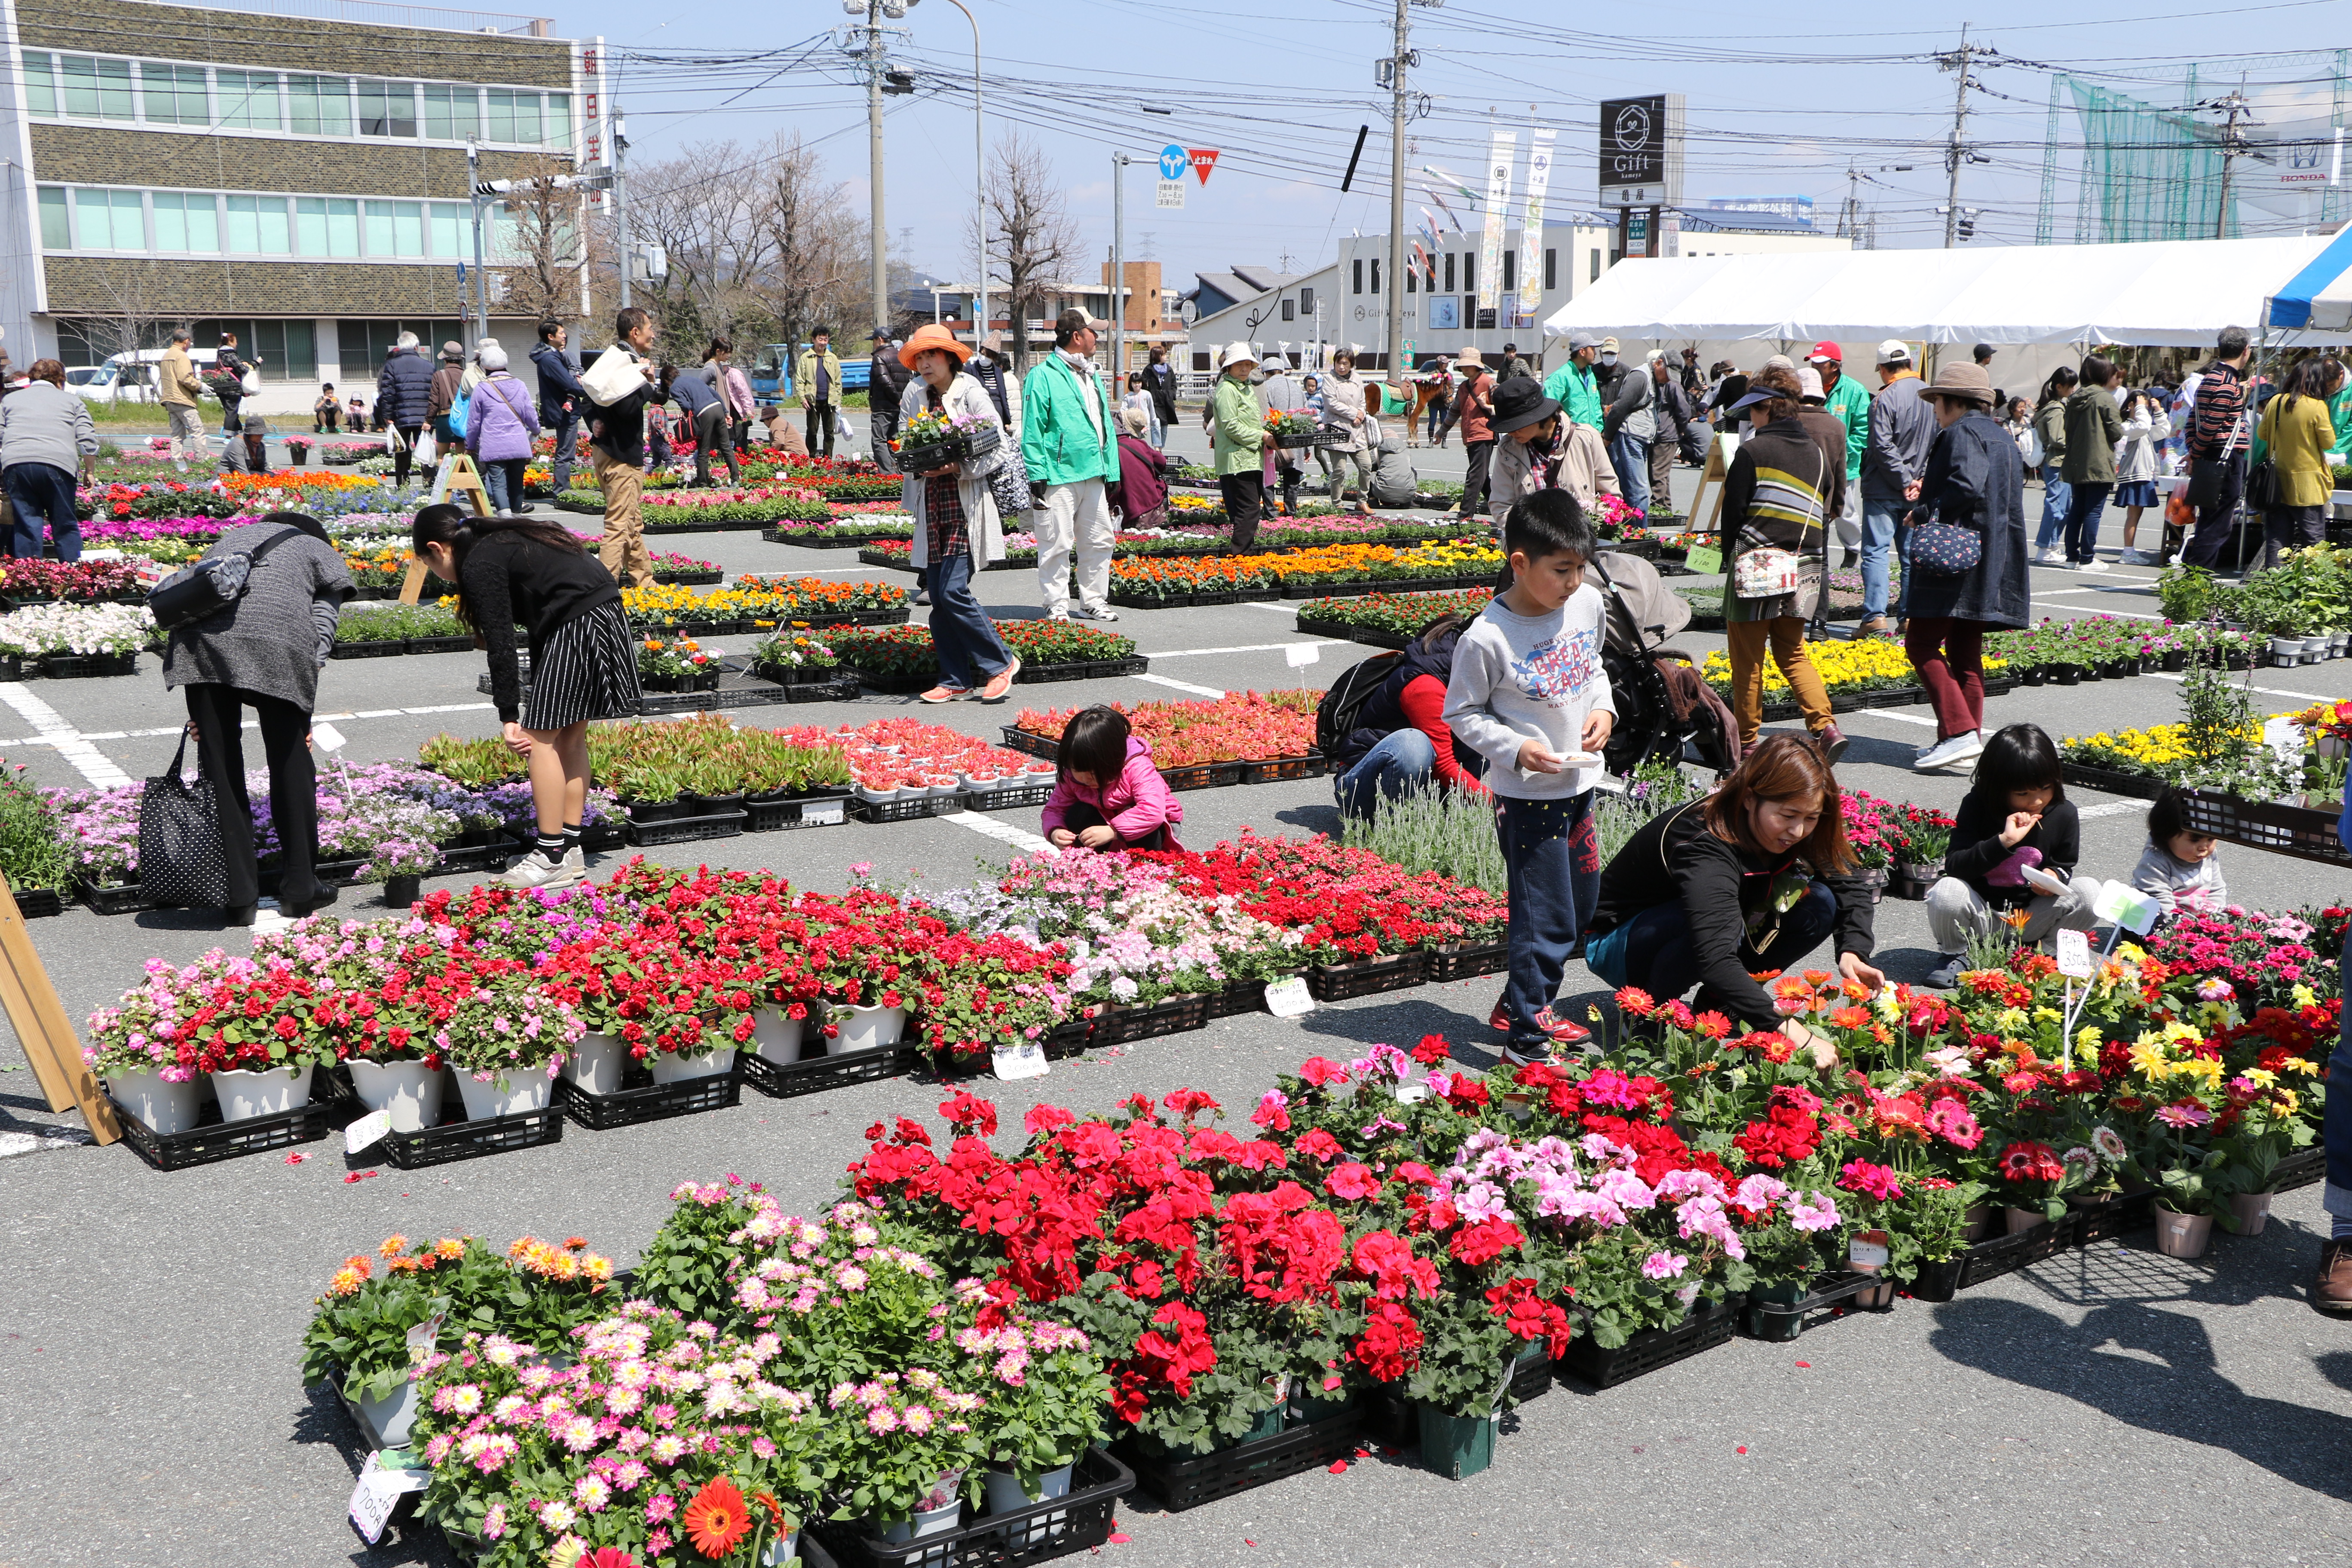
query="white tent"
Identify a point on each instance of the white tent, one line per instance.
(2175, 292)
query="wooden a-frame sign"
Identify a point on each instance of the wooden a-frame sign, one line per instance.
(43, 1029)
(457, 473)
(1714, 473)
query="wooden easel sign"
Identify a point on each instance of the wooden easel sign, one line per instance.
(1705, 558)
(44, 1030)
(455, 474)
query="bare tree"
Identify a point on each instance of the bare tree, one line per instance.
(544, 247)
(1031, 242)
(702, 209)
(133, 319)
(813, 262)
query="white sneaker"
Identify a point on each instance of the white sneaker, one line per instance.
(2136, 558)
(2047, 555)
(1083, 614)
(2091, 566)
(535, 871)
(1946, 975)
(1947, 754)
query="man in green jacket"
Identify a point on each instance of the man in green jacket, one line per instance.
(1237, 439)
(1070, 446)
(817, 378)
(1571, 385)
(1845, 398)
(2093, 427)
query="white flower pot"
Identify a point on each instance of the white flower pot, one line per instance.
(392, 1415)
(785, 1549)
(865, 1029)
(410, 1090)
(160, 1106)
(596, 1064)
(669, 1068)
(775, 1037)
(1005, 1495)
(933, 1522)
(528, 1089)
(245, 1095)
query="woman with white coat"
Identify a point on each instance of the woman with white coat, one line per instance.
(2145, 425)
(957, 530)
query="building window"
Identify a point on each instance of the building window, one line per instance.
(257, 226)
(453, 114)
(1596, 266)
(1510, 268)
(186, 224)
(321, 105)
(40, 87)
(1551, 270)
(1356, 275)
(452, 227)
(108, 220)
(1306, 301)
(1449, 272)
(395, 228)
(514, 117)
(174, 94)
(248, 100)
(97, 90)
(327, 226)
(558, 122)
(1287, 311)
(387, 109)
(1469, 272)
(1376, 274)
(57, 234)
(1412, 283)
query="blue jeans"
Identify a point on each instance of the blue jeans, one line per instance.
(1630, 455)
(2057, 495)
(502, 478)
(42, 494)
(1882, 527)
(970, 651)
(2085, 504)
(1554, 883)
(1403, 762)
(1653, 950)
(567, 441)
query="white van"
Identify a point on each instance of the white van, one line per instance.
(129, 377)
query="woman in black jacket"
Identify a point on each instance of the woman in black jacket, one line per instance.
(1751, 879)
(583, 666)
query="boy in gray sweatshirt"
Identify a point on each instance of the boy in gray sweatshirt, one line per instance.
(1528, 693)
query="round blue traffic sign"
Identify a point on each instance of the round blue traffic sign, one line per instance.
(1174, 161)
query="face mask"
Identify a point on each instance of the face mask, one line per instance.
(1608, 359)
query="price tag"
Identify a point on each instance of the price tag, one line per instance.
(366, 1130)
(822, 813)
(379, 1491)
(1289, 998)
(1704, 561)
(1025, 1059)
(2074, 954)
(2122, 904)
(1412, 1093)
(420, 1339)
(1299, 655)
(327, 738)
(1867, 1252)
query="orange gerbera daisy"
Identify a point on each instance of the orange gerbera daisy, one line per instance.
(717, 1518)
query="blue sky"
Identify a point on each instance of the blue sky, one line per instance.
(1779, 101)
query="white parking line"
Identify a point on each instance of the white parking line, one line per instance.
(997, 828)
(91, 763)
(1251, 647)
(1181, 685)
(1888, 713)
(2113, 808)
(51, 740)
(2099, 610)
(2265, 690)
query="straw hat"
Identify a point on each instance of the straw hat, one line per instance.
(932, 336)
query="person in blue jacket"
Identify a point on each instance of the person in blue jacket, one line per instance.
(561, 399)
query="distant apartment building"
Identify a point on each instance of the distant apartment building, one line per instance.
(299, 180)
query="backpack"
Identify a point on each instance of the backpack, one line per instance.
(1335, 716)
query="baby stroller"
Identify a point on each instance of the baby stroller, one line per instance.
(1663, 702)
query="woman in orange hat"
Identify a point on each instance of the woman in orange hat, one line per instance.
(957, 528)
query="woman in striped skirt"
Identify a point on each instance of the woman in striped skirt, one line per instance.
(1782, 485)
(535, 573)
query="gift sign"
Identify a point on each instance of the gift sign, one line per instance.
(2074, 954)
(366, 1130)
(1024, 1058)
(1289, 998)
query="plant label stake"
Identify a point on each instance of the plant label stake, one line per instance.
(1022, 1058)
(1289, 998)
(366, 1130)
(380, 1489)
(1298, 655)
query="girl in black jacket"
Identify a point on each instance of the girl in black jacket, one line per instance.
(584, 664)
(2016, 818)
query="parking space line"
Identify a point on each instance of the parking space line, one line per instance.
(2265, 690)
(1252, 647)
(1888, 713)
(1001, 831)
(2113, 808)
(53, 738)
(1181, 685)
(92, 764)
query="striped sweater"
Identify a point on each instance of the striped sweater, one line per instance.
(1778, 492)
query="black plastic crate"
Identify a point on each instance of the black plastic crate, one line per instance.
(1279, 769)
(1833, 1293)
(1202, 775)
(1012, 798)
(1118, 1026)
(2003, 1255)
(1069, 1039)
(687, 829)
(1652, 1348)
(1241, 996)
(1367, 976)
(112, 898)
(1019, 740)
(1463, 960)
(816, 1074)
(37, 903)
(1189, 1480)
(2301, 831)
(2105, 1220)
(1080, 1520)
(2137, 786)
(440, 645)
(213, 1139)
(84, 666)
(904, 810)
(376, 647)
(457, 1138)
(646, 1101)
(2303, 1170)
(799, 811)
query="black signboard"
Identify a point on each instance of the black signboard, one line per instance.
(1634, 141)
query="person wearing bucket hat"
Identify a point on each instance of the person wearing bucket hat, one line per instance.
(1572, 384)
(1474, 407)
(1524, 423)
(1893, 457)
(1974, 480)
(958, 529)
(1237, 441)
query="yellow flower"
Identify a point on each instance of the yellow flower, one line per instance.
(2297, 1064)
(2288, 1100)
(393, 1245)
(2086, 1038)
(2262, 1076)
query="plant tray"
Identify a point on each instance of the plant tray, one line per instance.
(650, 1101)
(1835, 1292)
(1019, 740)
(37, 903)
(380, 648)
(2101, 1221)
(802, 811)
(1085, 670)
(1182, 1482)
(1652, 1348)
(112, 898)
(2137, 786)
(687, 829)
(1117, 1026)
(1069, 1040)
(2297, 830)
(1467, 959)
(456, 1138)
(81, 665)
(1079, 1522)
(1008, 798)
(1368, 976)
(904, 810)
(690, 579)
(213, 1139)
(1241, 996)
(440, 645)
(812, 1074)
(2007, 1254)
(2305, 1169)
(1310, 766)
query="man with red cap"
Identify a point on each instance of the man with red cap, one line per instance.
(1846, 399)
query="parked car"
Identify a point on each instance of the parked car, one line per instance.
(129, 377)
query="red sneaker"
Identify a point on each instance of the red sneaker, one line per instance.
(1559, 1030)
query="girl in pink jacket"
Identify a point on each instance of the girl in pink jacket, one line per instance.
(1107, 794)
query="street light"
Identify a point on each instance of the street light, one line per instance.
(979, 182)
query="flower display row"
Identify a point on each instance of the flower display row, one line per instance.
(56, 629)
(763, 600)
(1393, 615)
(1239, 727)
(656, 762)
(2108, 645)
(2165, 752)
(1182, 576)
(906, 652)
(891, 759)
(1862, 663)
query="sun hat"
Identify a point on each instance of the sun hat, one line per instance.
(1470, 357)
(1519, 403)
(1609, 346)
(1236, 353)
(932, 336)
(493, 357)
(1135, 421)
(453, 350)
(1965, 383)
(1757, 396)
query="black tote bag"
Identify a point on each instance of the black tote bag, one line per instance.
(181, 863)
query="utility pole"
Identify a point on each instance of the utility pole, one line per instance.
(481, 276)
(2233, 147)
(1395, 297)
(621, 202)
(979, 184)
(1119, 162)
(1956, 152)
(874, 160)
